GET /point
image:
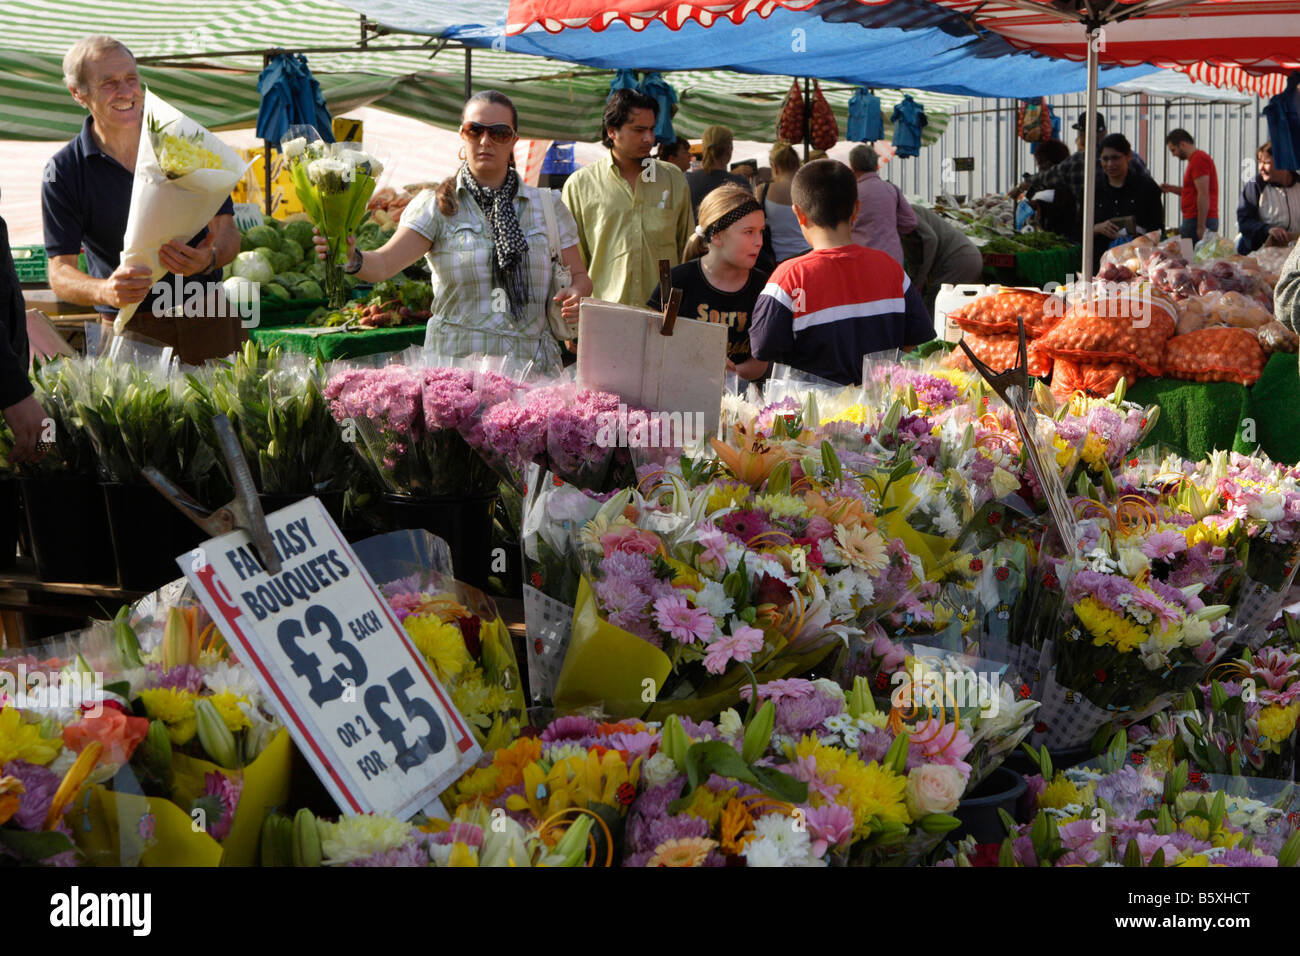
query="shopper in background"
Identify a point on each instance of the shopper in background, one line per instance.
(1269, 211)
(483, 235)
(785, 237)
(678, 152)
(631, 210)
(22, 412)
(717, 143)
(1199, 193)
(936, 253)
(883, 213)
(718, 279)
(1069, 172)
(1057, 214)
(1123, 193)
(1286, 294)
(823, 312)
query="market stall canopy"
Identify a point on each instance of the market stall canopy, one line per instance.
(1171, 86)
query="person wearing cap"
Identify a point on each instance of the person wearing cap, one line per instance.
(1199, 193)
(717, 143)
(1070, 172)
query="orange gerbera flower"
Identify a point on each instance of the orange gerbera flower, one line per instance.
(690, 851)
(622, 727)
(846, 511)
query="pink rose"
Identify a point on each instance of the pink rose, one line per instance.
(933, 788)
(629, 541)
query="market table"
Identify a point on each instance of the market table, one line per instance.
(308, 340)
(1037, 268)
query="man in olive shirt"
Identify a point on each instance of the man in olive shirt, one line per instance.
(631, 210)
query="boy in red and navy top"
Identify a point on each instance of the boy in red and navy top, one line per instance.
(823, 311)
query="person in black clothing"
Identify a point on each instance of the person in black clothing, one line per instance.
(718, 280)
(22, 412)
(1123, 192)
(1058, 214)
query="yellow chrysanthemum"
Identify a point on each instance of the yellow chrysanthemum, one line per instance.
(1093, 451)
(175, 708)
(781, 506)
(227, 705)
(708, 805)
(727, 496)
(354, 838)
(1197, 827)
(866, 789)
(1060, 793)
(856, 414)
(1107, 627)
(1278, 723)
(23, 741)
(442, 645)
(689, 851)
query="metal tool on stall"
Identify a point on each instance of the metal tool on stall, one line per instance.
(1018, 378)
(243, 512)
(670, 297)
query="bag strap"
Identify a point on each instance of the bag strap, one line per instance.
(552, 231)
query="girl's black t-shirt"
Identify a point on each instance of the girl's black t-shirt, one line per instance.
(702, 302)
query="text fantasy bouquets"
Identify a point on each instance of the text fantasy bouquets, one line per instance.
(334, 182)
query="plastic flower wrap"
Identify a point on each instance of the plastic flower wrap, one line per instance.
(1141, 817)
(277, 406)
(334, 182)
(183, 174)
(419, 424)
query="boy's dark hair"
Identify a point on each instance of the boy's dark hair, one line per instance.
(619, 107)
(826, 190)
(1117, 142)
(1179, 136)
(1053, 150)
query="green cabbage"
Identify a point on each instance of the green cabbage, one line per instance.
(264, 235)
(292, 249)
(299, 232)
(253, 265)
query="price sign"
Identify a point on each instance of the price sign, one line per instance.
(361, 703)
(963, 164)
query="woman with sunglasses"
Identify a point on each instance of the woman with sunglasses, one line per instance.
(483, 234)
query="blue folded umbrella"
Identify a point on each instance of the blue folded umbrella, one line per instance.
(290, 96)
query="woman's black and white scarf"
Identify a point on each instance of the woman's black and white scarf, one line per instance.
(510, 264)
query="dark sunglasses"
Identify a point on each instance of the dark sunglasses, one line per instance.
(501, 133)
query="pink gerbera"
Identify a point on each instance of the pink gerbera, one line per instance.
(1163, 545)
(738, 646)
(682, 622)
(779, 690)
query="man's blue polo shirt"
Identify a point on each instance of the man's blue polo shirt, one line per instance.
(85, 198)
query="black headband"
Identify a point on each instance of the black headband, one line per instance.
(731, 218)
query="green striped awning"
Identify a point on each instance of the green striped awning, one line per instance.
(216, 50)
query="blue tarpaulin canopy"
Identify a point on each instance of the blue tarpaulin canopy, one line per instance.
(290, 97)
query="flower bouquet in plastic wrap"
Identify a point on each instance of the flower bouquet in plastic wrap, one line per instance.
(1127, 643)
(334, 182)
(183, 174)
(175, 758)
(1242, 721)
(456, 627)
(420, 422)
(1144, 817)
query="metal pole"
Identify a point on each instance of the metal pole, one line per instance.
(1090, 152)
(266, 153)
(469, 73)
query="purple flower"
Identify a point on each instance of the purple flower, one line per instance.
(779, 690)
(740, 645)
(745, 525)
(797, 715)
(415, 852)
(219, 800)
(570, 728)
(1238, 857)
(830, 825)
(40, 784)
(1163, 545)
(185, 677)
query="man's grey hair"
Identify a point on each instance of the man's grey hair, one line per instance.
(863, 159)
(85, 50)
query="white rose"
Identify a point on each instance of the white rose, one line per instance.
(658, 770)
(1196, 632)
(1003, 483)
(1132, 562)
(1268, 507)
(829, 688)
(933, 788)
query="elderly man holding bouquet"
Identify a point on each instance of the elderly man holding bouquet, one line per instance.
(86, 199)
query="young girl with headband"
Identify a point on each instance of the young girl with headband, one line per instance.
(717, 276)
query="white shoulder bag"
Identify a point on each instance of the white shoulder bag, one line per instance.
(560, 274)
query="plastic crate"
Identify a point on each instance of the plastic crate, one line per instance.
(31, 264)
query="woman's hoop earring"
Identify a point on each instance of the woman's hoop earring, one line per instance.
(461, 154)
